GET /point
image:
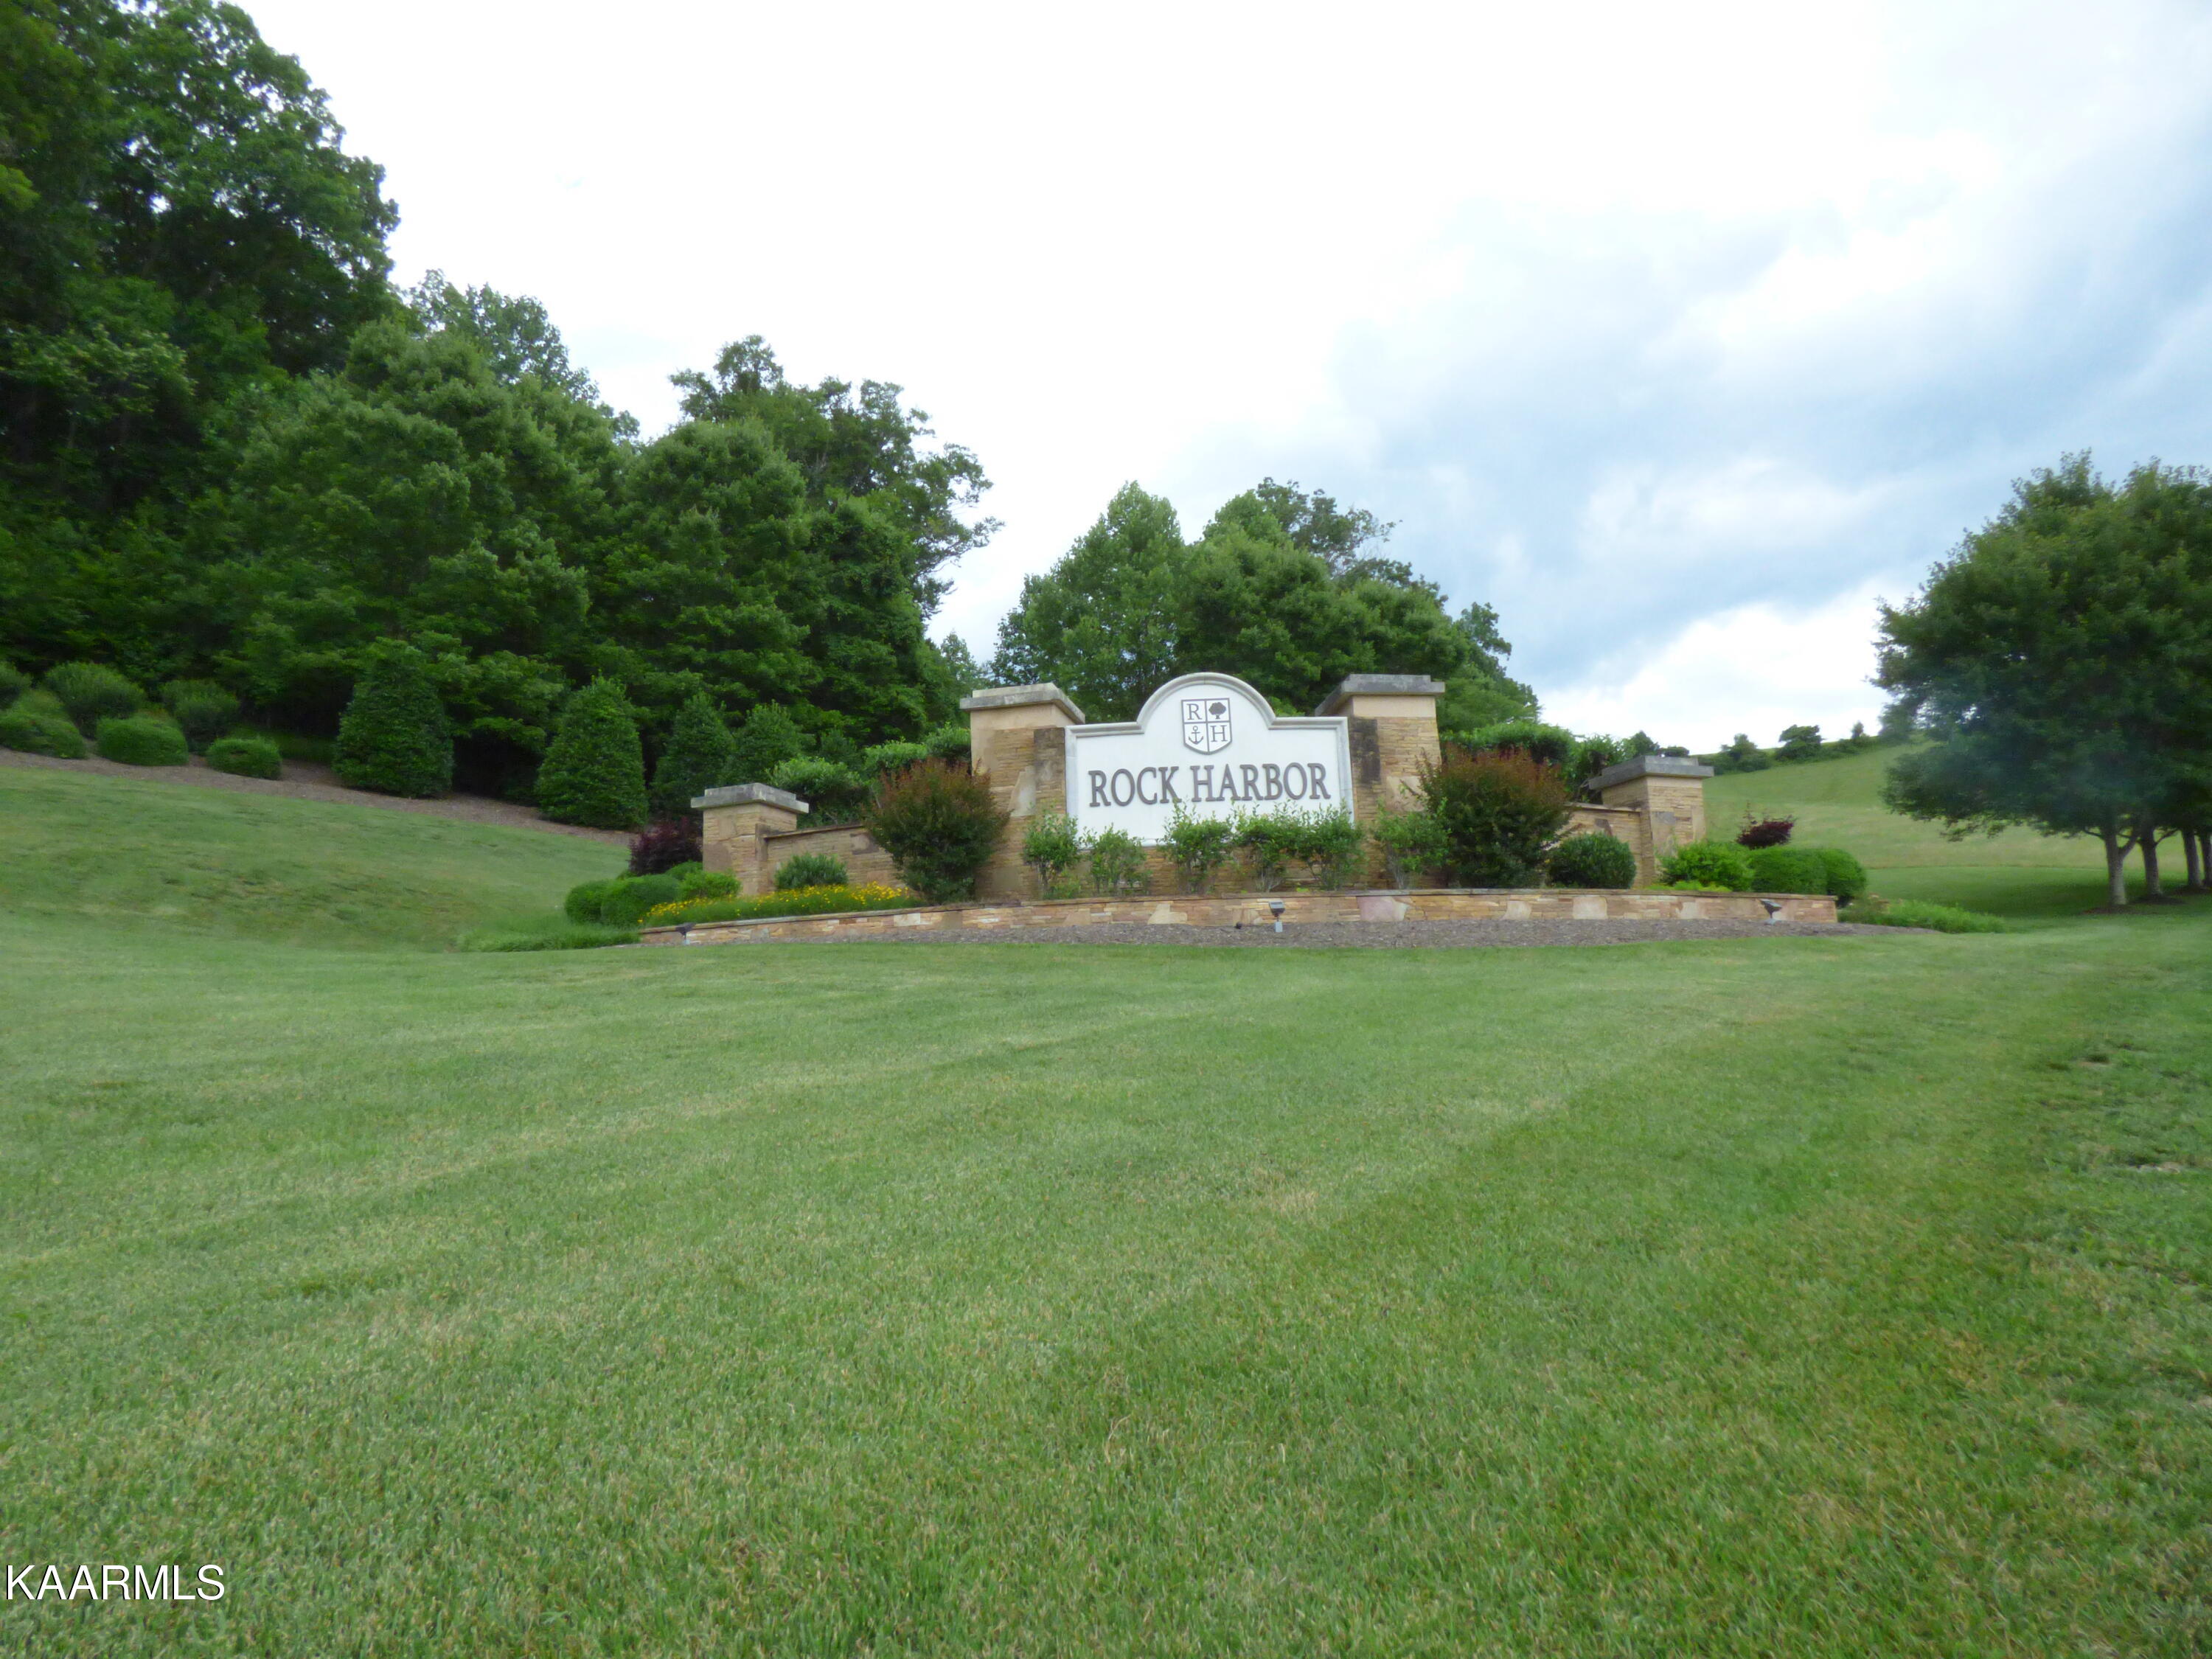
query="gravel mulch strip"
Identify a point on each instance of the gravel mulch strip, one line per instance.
(1359, 935)
(306, 781)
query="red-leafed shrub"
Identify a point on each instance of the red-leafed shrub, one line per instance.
(1764, 832)
(661, 847)
(1497, 812)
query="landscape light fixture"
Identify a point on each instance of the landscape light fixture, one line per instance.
(1773, 911)
(1275, 906)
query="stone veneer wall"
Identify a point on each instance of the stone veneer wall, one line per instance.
(864, 861)
(1251, 910)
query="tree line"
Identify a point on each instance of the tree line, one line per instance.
(231, 451)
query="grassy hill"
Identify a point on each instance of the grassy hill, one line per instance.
(119, 851)
(1823, 1296)
(1838, 803)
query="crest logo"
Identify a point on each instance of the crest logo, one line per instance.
(1206, 724)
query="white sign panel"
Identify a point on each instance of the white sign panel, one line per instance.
(1211, 744)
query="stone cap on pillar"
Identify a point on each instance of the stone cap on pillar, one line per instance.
(747, 794)
(1021, 696)
(1380, 685)
(1649, 766)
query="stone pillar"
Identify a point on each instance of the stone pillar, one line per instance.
(1669, 792)
(1391, 721)
(1016, 735)
(737, 821)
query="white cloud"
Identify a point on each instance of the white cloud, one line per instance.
(1632, 317)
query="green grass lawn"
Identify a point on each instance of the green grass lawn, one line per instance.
(1830, 1295)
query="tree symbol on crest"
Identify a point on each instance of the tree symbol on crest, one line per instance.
(1206, 724)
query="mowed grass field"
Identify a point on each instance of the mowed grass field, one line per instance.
(1840, 1296)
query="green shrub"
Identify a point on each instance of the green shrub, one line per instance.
(1270, 842)
(629, 897)
(1593, 859)
(1799, 743)
(701, 755)
(938, 821)
(1330, 844)
(594, 772)
(1410, 841)
(768, 738)
(203, 709)
(1198, 846)
(1918, 913)
(834, 792)
(89, 692)
(583, 900)
(1708, 864)
(142, 740)
(811, 870)
(892, 758)
(1052, 847)
(1498, 813)
(1847, 877)
(1117, 863)
(947, 742)
(707, 884)
(14, 682)
(40, 734)
(246, 757)
(394, 737)
(1787, 870)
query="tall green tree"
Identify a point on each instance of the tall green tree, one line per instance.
(700, 755)
(1133, 604)
(2062, 657)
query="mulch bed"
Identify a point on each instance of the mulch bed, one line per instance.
(1356, 935)
(306, 781)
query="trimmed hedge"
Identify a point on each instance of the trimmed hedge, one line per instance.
(594, 773)
(395, 739)
(1847, 877)
(1918, 913)
(35, 733)
(800, 902)
(1716, 864)
(90, 692)
(142, 740)
(1787, 870)
(619, 903)
(246, 757)
(1592, 859)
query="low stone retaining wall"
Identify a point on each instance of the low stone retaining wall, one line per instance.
(1226, 910)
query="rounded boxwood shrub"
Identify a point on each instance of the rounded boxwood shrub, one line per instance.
(142, 740)
(629, 897)
(1592, 859)
(1708, 864)
(1497, 811)
(938, 821)
(594, 773)
(246, 757)
(203, 708)
(583, 900)
(395, 739)
(40, 734)
(700, 755)
(14, 682)
(1788, 870)
(811, 870)
(90, 692)
(707, 884)
(1847, 877)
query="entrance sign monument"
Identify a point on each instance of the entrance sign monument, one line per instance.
(1211, 744)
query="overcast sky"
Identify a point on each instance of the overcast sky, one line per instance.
(1677, 334)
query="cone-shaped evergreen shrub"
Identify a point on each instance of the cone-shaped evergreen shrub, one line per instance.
(701, 754)
(594, 773)
(770, 737)
(395, 737)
